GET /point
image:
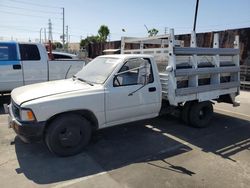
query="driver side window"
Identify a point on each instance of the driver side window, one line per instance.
(133, 73)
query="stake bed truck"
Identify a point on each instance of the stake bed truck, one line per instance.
(117, 89)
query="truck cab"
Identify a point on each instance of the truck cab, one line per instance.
(27, 63)
(21, 65)
(110, 90)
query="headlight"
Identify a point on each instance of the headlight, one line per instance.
(27, 115)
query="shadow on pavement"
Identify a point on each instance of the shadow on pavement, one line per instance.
(5, 99)
(139, 142)
(226, 136)
(110, 149)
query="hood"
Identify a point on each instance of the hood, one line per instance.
(36, 91)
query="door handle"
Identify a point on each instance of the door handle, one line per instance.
(152, 89)
(15, 67)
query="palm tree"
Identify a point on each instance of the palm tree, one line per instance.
(152, 32)
(103, 33)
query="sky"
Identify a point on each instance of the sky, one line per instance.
(23, 20)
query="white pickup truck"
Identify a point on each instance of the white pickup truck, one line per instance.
(28, 63)
(116, 89)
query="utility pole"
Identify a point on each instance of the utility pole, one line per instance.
(45, 37)
(50, 31)
(41, 35)
(165, 30)
(63, 37)
(67, 35)
(195, 16)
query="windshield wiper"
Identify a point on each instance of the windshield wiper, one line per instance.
(84, 81)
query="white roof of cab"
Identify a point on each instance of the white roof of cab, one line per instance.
(125, 56)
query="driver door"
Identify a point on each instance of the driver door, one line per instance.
(133, 95)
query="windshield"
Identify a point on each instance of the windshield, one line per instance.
(98, 70)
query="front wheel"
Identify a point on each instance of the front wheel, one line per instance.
(68, 135)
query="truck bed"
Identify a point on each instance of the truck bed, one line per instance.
(192, 73)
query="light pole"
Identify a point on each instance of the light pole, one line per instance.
(45, 36)
(195, 16)
(41, 35)
(63, 39)
(67, 35)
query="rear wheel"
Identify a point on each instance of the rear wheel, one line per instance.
(185, 112)
(200, 114)
(68, 135)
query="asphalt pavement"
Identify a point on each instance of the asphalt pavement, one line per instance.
(160, 152)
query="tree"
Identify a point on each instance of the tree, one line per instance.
(90, 39)
(102, 36)
(103, 33)
(57, 45)
(152, 32)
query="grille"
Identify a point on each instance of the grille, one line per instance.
(15, 110)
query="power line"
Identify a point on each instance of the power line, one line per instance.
(34, 4)
(21, 8)
(21, 29)
(25, 29)
(29, 15)
(224, 24)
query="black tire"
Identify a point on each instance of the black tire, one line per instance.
(68, 135)
(185, 112)
(200, 114)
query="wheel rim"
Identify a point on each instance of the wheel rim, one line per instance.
(202, 113)
(70, 137)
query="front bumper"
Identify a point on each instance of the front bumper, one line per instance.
(28, 131)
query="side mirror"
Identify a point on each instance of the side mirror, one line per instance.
(116, 81)
(169, 68)
(144, 73)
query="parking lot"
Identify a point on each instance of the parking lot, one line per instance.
(160, 152)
